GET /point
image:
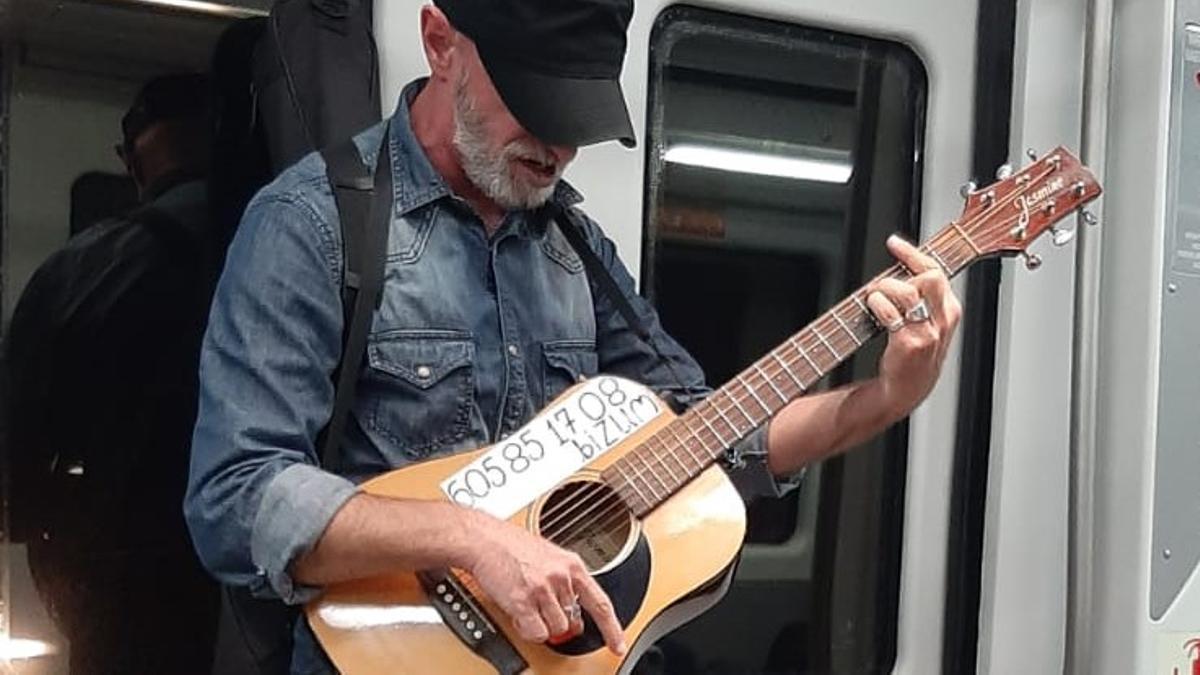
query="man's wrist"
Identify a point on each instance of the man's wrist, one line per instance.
(469, 526)
(884, 401)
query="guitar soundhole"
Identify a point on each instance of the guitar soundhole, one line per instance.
(589, 518)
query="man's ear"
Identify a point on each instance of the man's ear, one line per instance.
(129, 159)
(440, 41)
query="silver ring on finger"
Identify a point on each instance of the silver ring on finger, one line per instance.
(918, 312)
(895, 325)
(573, 611)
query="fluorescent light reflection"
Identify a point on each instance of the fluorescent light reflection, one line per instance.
(360, 617)
(17, 649)
(214, 8)
(759, 163)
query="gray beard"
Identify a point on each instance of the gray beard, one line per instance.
(488, 169)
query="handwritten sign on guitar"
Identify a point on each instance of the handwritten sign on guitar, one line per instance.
(560, 441)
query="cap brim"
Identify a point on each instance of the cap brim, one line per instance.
(560, 110)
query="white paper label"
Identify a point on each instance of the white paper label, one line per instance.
(560, 441)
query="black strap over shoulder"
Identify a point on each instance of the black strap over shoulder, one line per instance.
(600, 276)
(364, 212)
(598, 273)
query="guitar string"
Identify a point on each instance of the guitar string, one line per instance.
(615, 514)
(554, 517)
(830, 317)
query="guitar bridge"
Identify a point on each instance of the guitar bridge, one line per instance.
(464, 616)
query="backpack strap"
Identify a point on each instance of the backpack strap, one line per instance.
(364, 212)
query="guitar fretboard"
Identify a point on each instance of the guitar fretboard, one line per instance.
(678, 452)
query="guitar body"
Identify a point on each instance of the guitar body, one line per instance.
(660, 571)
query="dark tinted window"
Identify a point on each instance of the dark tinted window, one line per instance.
(780, 158)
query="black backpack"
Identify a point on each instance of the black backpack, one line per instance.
(313, 84)
(316, 75)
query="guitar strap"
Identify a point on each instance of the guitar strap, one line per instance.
(598, 273)
(605, 283)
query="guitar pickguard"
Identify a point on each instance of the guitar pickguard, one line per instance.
(625, 585)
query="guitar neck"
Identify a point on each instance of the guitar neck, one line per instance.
(689, 444)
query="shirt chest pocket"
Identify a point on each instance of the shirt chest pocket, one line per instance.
(420, 389)
(566, 362)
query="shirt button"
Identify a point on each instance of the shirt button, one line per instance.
(512, 349)
(424, 372)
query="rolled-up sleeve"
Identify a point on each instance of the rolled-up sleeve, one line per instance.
(256, 496)
(672, 372)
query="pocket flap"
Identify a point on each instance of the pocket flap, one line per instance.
(576, 358)
(421, 359)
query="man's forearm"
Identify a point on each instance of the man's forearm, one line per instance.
(372, 535)
(817, 426)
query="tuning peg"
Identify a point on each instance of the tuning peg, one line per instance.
(1032, 261)
(1061, 236)
(1005, 171)
(967, 188)
(1031, 154)
(1089, 217)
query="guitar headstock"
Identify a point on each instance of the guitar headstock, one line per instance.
(1007, 216)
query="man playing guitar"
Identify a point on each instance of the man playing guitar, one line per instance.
(486, 316)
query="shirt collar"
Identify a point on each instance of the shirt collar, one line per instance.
(415, 181)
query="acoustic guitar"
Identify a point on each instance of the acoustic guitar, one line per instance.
(609, 472)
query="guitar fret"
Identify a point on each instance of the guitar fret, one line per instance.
(639, 454)
(721, 414)
(670, 475)
(671, 451)
(738, 404)
(836, 356)
(699, 440)
(680, 441)
(961, 233)
(820, 373)
(862, 306)
(623, 489)
(641, 473)
(783, 364)
(754, 393)
(720, 440)
(846, 328)
(630, 483)
(945, 268)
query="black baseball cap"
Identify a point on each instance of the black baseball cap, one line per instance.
(555, 63)
(168, 97)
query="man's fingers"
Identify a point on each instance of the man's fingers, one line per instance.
(904, 296)
(554, 616)
(910, 256)
(885, 312)
(530, 626)
(597, 604)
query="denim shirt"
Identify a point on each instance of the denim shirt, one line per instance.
(473, 336)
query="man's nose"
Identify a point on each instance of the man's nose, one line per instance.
(563, 154)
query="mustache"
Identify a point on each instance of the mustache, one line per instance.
(524, 150)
